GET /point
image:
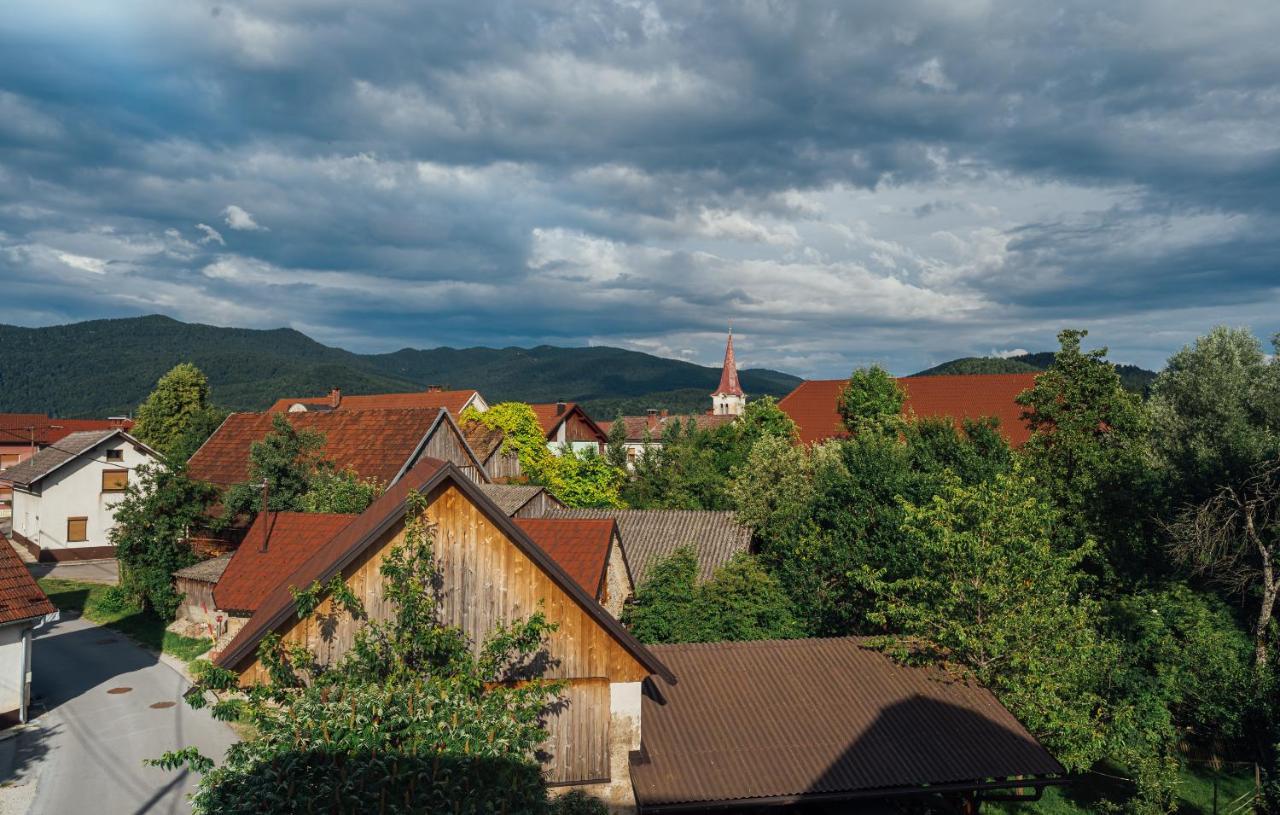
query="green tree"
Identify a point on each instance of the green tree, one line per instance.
(992, 596)
(152, 524)
(740, 602)
(176, 412)
(616, 449)
(286, 459)
(413, 718)
(342, 491)
(871, 401)
(1088, 452)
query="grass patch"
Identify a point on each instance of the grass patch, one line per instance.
(105, 606)
(1087, 791)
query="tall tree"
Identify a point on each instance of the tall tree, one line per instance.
(177, 412)
(413, 718)
(616, 449)
(286, 460)
(872, 400)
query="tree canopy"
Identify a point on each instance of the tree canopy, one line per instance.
(177, 416)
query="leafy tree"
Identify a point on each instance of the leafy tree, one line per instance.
(286, 459)
(413, 718)
(152, 523)
(1088, 452)
(741, 602)
(976, 451)
(762, 418)
(334, 490)
(177, 412)
(1216, 413)
(872, 401)
(616, 449)
(992, 596)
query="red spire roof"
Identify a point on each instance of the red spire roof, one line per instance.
(729, 375)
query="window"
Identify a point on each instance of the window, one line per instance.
(7, 460)
(77, 530)
(115, 455)
(115, 480)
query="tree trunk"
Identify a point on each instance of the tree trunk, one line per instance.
(1269, 589)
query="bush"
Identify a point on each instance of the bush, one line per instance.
(577, 802)
(117, 600)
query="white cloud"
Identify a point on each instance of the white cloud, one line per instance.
(83, 263)
(210, 234)
(239, 219)
(1010, 352)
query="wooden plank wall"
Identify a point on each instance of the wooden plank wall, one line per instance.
(487, 579)
(503, 467)
(446, 444)
(577, 429)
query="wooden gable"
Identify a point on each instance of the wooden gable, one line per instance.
(486, 578)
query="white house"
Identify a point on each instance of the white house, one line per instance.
(23, 608)
(65, 496)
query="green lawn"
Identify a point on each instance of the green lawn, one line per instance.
(98, 603)
(1195, 793)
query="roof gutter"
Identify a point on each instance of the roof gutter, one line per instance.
(740, 804)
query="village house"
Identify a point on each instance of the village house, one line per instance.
(22, 435)
(454, 401)
(663, 728)
(812, 405)
(567, 425)
(23, 608)
(651, 535)
(379, 444)
(486, 442)
(65, 496)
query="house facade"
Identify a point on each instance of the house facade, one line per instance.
(65, 496)
(23, 608)
(567, 426)
(22, 435)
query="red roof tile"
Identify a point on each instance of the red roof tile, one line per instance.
(812, 405)
(291, 538)
(376, 444)
(452, 401)
(549, 416)
(20, 597)
(580, 546)
(16, 428)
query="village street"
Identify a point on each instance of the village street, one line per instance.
(101, 706)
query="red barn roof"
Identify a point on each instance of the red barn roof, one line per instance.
(20, 597)
(580, 547)
(377, 444)
(812, 405)
(452, 401)
(291, 538)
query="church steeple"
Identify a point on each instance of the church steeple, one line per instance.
(728, 399)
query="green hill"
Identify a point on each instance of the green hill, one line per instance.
(1131, 376)
(107, 367)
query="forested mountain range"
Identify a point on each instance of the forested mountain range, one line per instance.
(107, 367)
(1133, 378)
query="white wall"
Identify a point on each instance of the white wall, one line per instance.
(75, 491)
(13, 665)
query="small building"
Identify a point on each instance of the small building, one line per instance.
(379, 444)
(22, 435)
(566, 424)
(502, 465)
(198, 613)
(23, 608)
(651, 535)
(813, 403)
(65, 496)
(435, 396)
(590, 551)
(522, 500)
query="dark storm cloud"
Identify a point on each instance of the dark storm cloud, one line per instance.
(851, 182)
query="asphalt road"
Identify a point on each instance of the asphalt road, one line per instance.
(86, 753)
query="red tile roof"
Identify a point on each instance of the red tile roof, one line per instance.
(580, 546)
(452, 401)
(20, 597)
(377, 444)
(16, 428)
(812, 405)
(291, 538)
(550, 416)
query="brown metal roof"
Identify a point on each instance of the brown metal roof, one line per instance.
(782, 721)
(649, 535)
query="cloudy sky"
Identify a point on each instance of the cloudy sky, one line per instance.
(847, 183)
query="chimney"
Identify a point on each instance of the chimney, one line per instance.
(560, 406)
(652, 412)
(664, 413)
(335, 397)
(434, 388)
(651, 418)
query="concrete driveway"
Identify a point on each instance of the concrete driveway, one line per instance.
(90, 571)
(105, 705)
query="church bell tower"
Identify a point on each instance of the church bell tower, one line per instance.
(728, 399)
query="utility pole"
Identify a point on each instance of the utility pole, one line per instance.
(266, 514)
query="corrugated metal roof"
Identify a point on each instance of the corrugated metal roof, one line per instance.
(784, 719)
(510, 497)
(812, 405)
(649, 535)
(54, 456)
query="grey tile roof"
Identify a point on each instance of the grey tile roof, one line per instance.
(649, 535)
(54, 456)
(207, 571)
(510, 497)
